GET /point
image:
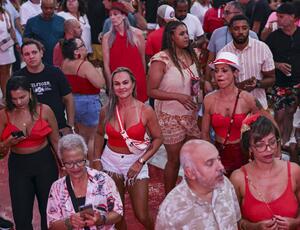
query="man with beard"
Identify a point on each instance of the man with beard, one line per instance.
(256, 59)
(205, 199)
(191, 21)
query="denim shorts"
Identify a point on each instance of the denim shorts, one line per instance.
(87, 109)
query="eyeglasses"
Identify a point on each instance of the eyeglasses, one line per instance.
(227, 12)
(261, 147)
(82, 45)
(79, 163)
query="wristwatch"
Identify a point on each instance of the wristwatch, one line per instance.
(142, 161)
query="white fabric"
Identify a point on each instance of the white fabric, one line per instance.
(85, 26)
(199, 10)
(194, 26)
(29, 10)
(8, 56)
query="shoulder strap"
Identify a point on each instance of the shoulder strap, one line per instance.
(41, 109)
(72, 194)
(123, 131)
(232, 118)
(289, 169)
(79, 67)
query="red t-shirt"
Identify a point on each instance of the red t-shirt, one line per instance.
(213, 19)
(154, 41)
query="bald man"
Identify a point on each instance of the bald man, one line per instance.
(47, 28)
(205, 199)
(72, 29)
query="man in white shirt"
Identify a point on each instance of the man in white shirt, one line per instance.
(29, 9)
(191, 21)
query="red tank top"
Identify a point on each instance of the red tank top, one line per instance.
(36, 137)
(81, 85)
(115, 139)
(220, 125)
(285, 205)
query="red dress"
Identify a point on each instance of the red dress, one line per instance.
(123, 54)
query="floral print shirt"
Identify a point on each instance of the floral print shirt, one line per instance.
(101, 193)
(182, 209)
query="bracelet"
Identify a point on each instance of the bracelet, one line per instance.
(68, 224)
(95, 160)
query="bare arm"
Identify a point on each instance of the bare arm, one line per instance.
(206, 118)
(99, 140)
(105, 52)
(93, 75)
(268, 79)
(141, 22)
(154, 131)
(70, 108)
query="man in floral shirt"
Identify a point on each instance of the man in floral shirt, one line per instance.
(205, 199)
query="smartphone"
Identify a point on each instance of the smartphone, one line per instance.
(17, 134)
(86, 209)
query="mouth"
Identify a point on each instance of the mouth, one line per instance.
(269, 156)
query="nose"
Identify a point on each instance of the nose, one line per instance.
(220, 165)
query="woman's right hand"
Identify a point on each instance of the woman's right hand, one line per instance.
(11, 141)
(186, 101)
(267, 225)
(76, 221)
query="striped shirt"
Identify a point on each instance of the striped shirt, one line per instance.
(254, 59)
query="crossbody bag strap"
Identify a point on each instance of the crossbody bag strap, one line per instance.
(231, 119)
(72, 194)
(123, 131)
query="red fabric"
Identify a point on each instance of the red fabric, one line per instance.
(81, 85)
(213, 19)
(136, 132)
(220, 125)
(231, 156)
(36, 137)
(122, 54)
(57, 56)
(154, 41)
(286, 205)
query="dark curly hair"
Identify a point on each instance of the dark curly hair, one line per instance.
(68, 47)
(167, 44)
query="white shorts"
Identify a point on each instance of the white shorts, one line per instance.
(119, 164)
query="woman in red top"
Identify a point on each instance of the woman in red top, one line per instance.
(267, 187)
(124, 46)
(129, 170)
(26, 129)
(225, 109)
(85, 81)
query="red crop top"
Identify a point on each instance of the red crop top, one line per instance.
(285, 205)
(36, 137)
(115, 139)
(81, 85)
(220, 125)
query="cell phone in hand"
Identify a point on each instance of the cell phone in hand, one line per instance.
(18, 134)
(86, 209)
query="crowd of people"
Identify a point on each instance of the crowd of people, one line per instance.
(92, 89)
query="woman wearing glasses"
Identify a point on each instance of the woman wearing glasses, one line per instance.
(82, 186)
(267, 187)
(85, 82)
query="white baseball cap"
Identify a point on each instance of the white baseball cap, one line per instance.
(166, 12)
(226, 58)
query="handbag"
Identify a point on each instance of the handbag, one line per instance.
(6, 42)
(231, 122)
(134, 146)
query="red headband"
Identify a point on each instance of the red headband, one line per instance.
(248, 121)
